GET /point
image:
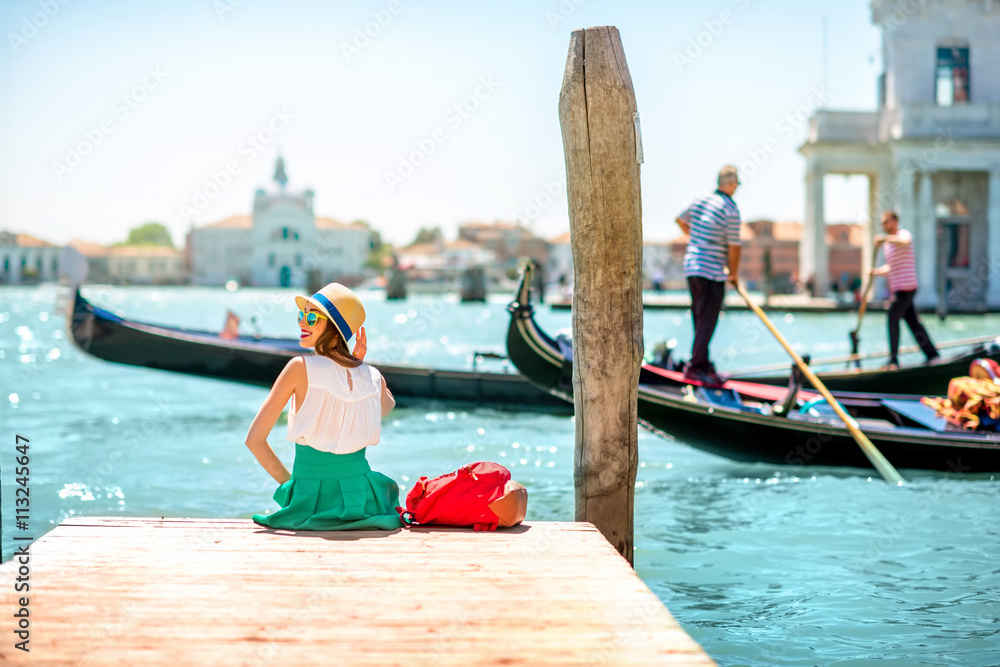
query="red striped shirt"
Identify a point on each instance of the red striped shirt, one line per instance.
(902, 265)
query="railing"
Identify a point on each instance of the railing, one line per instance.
(931, 120)
(844, 126)
(912, 120)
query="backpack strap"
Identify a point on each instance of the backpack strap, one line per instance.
(484, 526)
(406, 517)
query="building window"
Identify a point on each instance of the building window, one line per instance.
(953, 208)
(55, 265)
(6, 263)
(298, 259)
(270, 260)
(284, 233)
(952, 75)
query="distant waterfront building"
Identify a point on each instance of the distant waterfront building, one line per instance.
(422, 261)
(462, 254)
(133, 264)
(777, 243)
(509, 242)
(656, 264)
(442, 260)
(844, 243)
(559, 268)
(931, 150)
(279, 244)
(147, 265)
(97, 260)
(27, 259)
(659, 262)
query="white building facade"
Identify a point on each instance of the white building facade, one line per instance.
(559, 267)
(931, 151)
(146, 265)
(279, 245)
(26, 259)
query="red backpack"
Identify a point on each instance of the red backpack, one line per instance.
(464, 498)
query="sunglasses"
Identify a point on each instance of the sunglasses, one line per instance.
(312, 317)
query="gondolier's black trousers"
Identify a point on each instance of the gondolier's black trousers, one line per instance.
(901, 307)
(706, 302)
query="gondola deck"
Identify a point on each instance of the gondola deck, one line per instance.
(751, 429)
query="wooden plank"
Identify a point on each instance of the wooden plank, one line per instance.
(137, 591)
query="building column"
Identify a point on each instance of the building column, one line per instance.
(49, 271)
(925, 243)
(814, 256)
(15, 265)
(993, 238)
(906, 207)
(871, 227)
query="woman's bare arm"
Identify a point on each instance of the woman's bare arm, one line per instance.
(388, 402)
(291, 377)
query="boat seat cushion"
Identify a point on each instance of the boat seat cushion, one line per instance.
(918, 412)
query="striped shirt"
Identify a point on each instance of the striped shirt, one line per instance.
(902, 265)
(715, 225)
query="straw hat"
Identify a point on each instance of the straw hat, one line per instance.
(340, 305)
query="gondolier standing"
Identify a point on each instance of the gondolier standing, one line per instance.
(712, 224)
(901, 270)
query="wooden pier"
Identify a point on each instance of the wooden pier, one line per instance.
(139, 591)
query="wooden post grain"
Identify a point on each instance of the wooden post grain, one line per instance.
(597, 113)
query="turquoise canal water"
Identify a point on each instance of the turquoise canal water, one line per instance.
(762, 565)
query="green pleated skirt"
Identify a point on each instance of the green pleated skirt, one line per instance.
(334, 492)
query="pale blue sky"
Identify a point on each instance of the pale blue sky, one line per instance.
(221, 76)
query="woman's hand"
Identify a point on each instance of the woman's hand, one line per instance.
(360, 344)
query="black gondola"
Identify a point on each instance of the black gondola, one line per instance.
(930, 378)
(753, 422)
(258, 361)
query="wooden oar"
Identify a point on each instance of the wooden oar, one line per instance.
(855, 340)
(874, 455)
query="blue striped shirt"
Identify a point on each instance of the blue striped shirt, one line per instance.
(715, 225)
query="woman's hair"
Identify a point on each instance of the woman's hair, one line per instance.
(332, 345)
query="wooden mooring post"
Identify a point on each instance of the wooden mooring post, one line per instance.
(597, 111)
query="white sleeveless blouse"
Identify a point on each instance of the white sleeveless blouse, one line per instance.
(334, 417)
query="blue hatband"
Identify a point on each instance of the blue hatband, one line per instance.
(338, 319)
